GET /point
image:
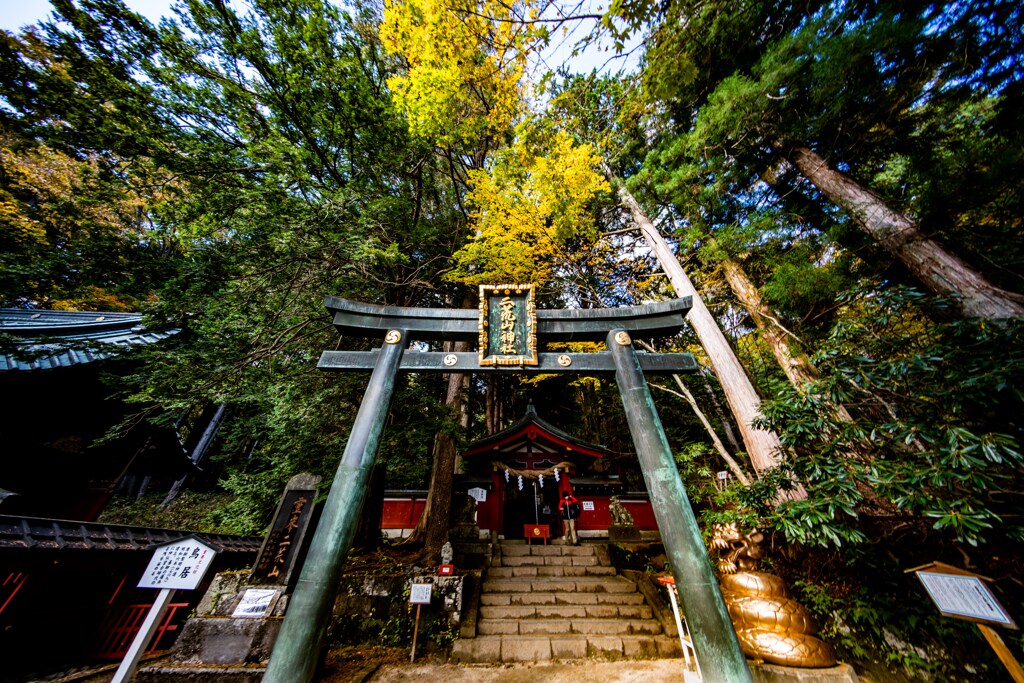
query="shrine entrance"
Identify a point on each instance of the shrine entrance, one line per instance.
(507, 328)
(530, 465)
(531, 506)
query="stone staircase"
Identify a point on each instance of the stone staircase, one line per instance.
(543, 602)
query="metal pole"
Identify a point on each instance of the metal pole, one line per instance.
(714, 639)
(297, 650)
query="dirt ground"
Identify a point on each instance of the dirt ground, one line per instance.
(646, 671)
(371, 664)
(380, 665)
(375, 664)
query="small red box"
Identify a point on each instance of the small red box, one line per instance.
(532, 531)
(446, 570)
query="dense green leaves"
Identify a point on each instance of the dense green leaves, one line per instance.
(932, 434)
(287, 176)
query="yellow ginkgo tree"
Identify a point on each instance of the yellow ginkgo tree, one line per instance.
(526, 205)
(463, 85)
(463, 89)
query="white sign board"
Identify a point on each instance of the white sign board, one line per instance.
(588, 505)
(964, 596)
(178, 565)
(255, 603)
(478, 494)
(419, 593)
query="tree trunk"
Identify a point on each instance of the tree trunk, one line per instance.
(490, 392)
(730, 435)
(794, 363)
(763, 446)
(687, 396)
(432, 526)
(368, 534)
(939, 270)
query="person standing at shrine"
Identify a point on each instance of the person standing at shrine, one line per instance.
(570, 509)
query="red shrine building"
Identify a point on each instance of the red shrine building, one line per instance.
(518, 477)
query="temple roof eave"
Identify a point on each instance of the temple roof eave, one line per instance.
(519, 431)
(59, 339)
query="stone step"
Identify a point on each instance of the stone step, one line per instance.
(555, 627)
(513, 648)
(565, 612)
(552, 550)
(557, 584)
(513, 599)
(545, 571)
(550, 561)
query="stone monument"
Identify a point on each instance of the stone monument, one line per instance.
(463, 527)
(236, 623)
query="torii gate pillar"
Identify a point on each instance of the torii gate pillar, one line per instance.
(714, 639)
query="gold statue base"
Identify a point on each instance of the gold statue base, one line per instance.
(773, 673)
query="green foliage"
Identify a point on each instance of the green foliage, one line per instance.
(293, 178)
(745, 506)
(192, 510)
(912, 102)
(864, 613)
(928, 436)
(390, 620)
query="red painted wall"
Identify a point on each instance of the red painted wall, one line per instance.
(403, 513)
(600, 518)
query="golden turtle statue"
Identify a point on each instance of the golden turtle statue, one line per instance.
(770, 626)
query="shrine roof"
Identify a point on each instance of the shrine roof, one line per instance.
(532, 428)
(53, 534)
(43, 340)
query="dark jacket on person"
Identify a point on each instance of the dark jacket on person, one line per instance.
(570, 508)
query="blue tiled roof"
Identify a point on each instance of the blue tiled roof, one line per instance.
(64, 338)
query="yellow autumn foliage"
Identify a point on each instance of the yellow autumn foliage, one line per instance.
(39, 190)
(465, 59)
(525, 207)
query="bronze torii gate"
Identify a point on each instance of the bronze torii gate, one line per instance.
(507, 328)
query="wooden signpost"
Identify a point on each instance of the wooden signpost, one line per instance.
(419, 595)
(176, 565)
(961, 594)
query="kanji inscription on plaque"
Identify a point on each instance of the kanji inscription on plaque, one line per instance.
(508, 325)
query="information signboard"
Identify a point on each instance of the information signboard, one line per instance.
(419, 593)
(965, 597)
(175, 565)
(588, 505)
(178, 565)
(255, 603)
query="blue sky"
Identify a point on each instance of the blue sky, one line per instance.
(17, 13)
